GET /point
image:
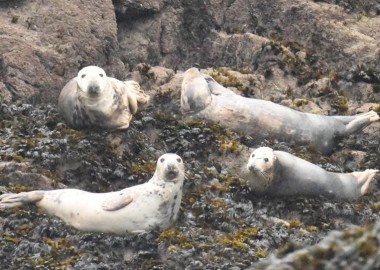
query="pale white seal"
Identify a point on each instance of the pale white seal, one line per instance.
(152, 205)
(203, 98)
(280, 173)
(94, 100)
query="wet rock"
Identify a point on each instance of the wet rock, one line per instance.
(356, 248)
(350, 160)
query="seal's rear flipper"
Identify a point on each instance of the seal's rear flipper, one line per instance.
(364, 179)
(361, 121)
(348, 118)
(11, 200)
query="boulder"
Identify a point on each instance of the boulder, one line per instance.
(45, 43)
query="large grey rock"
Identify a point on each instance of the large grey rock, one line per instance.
(179, 33)
(296, 43)
(44, 43)
(356, 248)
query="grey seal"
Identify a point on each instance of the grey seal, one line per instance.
(203, 98)
(152, 205)
(94, 100)
(283, 174)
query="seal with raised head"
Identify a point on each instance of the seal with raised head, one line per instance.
(94, 100)
(203, 98)
(280, 173)
(152, 205)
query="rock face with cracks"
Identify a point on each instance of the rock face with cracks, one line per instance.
(314, 56)
(45, 43)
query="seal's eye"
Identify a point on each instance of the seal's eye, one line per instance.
(253, 155)
(266, 159)
(179, 160)
(101, 75)
(162, 160)
(83, 75)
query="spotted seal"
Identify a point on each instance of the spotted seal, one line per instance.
(152, 205)
(280, 173)
(203, 98)
(93, 99)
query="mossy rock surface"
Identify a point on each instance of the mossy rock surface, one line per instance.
(221, 223)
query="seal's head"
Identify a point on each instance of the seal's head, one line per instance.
(261, 165)
(195, 91)
(170, 168)
(91, 81)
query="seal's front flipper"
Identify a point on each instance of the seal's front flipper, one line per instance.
(11, 200)
(216, 88)
(132, 102)
(117, 201)
(135, 95)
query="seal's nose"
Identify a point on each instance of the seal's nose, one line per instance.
(171, 171)
(251, 168)
(93, 88)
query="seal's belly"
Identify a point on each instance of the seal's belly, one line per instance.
(83, 210)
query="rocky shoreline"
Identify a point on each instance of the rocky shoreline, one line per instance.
(222, 224)
(314, 56)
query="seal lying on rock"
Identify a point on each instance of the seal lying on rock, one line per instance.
(93, 99)
(203, 98)
(280, 173)
(154, 204)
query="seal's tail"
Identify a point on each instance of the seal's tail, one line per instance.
(365, 178)
(11, 200)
